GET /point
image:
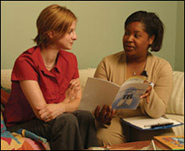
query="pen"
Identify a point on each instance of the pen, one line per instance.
(159, 124)
(144, 73)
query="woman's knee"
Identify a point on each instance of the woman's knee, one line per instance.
(85, 115)
(112, 134)
(65, 120)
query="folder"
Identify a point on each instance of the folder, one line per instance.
(147, 123)
(99, 92)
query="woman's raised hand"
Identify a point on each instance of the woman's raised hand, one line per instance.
(147, 93)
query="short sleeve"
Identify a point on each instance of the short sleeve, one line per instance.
(23, 70)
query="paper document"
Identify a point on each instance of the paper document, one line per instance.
(99, 92)
(147, 123)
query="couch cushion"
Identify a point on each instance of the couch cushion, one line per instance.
(3, 126)
(6, 78)
(5, 94)
(179, 130)
(176, 103)
(15, 141)
(84, 74)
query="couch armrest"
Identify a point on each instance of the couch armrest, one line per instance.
(176, 103)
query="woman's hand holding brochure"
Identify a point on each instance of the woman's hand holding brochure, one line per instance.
(105, 114)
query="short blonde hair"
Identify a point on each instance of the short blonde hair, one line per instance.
(53, 18)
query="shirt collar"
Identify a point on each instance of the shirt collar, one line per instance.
(40, 63)
(58, 65)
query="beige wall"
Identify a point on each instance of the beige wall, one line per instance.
(99, 29)
(179, 54)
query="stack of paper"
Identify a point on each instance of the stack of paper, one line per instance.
(147, 123)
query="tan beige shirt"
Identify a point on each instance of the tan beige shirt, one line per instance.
(113, 68)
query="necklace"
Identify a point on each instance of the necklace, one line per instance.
(134, 73)
(49, 66)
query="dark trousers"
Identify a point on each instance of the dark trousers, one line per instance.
(69, 131)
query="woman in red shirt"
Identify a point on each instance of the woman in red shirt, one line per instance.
(46, 91)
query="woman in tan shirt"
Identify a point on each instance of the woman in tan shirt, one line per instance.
(143, 32)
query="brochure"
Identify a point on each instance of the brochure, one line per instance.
(99, 92)
(173, 142)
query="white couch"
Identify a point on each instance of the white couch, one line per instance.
(175, 108)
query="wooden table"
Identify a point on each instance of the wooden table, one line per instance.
(136, 145)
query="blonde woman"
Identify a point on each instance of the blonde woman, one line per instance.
(46, 91)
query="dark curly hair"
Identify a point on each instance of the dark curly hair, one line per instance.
(153, 26)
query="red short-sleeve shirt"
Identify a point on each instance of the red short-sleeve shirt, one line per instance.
(53, 84)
